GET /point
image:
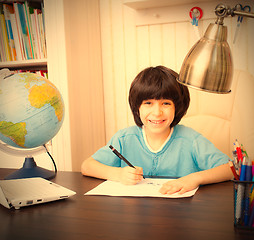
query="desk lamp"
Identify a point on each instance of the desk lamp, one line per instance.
(208, 65)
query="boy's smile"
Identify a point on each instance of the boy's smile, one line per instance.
(156, 121)
(157, 115)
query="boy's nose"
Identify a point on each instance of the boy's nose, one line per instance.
(157, 110)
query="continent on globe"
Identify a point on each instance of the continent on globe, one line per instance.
(41, 95)
(31, 110)
(16, 132)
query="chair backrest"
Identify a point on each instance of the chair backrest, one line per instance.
(222, 118)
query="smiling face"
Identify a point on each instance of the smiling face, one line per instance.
(157, 84)
(157, 116)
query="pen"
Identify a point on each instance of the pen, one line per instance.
(243, 170)
(244, 151)
(241, 194)
(121, 156)
(251, 219)
(239, 202)
(248, 170)
(238, 151)
(253, 171)
(246, 203)
(233, 170)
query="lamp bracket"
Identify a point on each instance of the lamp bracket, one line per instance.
(222, 11)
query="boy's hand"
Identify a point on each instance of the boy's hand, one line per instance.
(131, 176)
(180, 185)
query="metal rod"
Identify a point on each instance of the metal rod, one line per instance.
(245, 14)
(222, 10)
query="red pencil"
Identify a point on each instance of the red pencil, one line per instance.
(238, 151)
(233, 170)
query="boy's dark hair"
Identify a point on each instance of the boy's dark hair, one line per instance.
(158, 83)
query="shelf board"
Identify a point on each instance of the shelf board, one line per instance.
(24, 64)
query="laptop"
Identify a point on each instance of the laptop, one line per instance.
(30, 191)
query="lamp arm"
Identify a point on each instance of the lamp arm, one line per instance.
(242, 13)
(221, 10)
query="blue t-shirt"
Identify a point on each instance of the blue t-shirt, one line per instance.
(186, 151)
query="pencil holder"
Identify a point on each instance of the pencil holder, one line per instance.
(244, 204)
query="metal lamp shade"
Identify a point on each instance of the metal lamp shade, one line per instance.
(208, 65)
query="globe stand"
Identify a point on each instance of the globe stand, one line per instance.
(30, 169)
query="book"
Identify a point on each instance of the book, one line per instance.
(41, 32)
(5, 38)
(2, 52)
(28, 26)
(24, 30)
(8, 10)
(17, 40)
(19, 31)
(37, 54)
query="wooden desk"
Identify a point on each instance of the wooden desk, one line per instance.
(207, 215)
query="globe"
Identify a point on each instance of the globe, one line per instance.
(31, 112)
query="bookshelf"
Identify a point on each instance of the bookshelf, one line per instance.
(23, 43)
(56, 66)
(25, 64)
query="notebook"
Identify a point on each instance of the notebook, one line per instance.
(29, 191)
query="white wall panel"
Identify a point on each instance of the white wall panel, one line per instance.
(56, 52)
(130, 46)
(119, 63)
(250, 49)
(182, 33)
(156, 52)
(108, 68)
(169, 45)
(143, 48)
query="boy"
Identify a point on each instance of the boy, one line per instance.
(158, 145)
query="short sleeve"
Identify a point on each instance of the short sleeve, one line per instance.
(106, 156)
(207, 155)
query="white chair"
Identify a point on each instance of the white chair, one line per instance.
(222, 118)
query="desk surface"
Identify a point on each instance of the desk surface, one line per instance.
(207, 215)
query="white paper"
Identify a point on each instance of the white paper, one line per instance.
(148, 187)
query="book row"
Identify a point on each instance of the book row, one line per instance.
(43, 73)
(22, 32)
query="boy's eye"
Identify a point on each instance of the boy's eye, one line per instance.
(147, 102)
(167, 103)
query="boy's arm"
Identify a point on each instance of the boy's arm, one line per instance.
(215, 175)
(91, 167)
(193, 180)
(127, 175)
